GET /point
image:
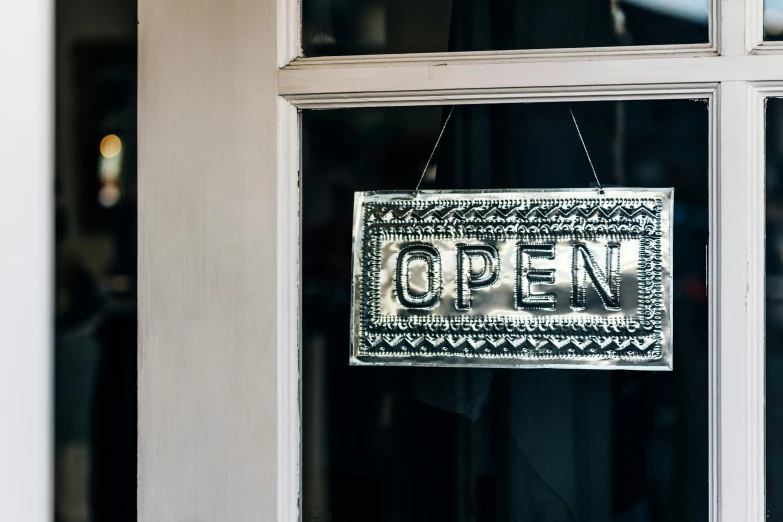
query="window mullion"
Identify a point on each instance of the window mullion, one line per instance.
(731, 21)
(736, 265)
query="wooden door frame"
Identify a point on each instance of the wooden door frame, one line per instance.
(220, 87)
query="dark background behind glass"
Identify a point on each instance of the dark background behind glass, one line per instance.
(410, 444)
(774, 309)
(95, 303)
(345, 27)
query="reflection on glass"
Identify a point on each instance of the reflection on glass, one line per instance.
(449, 444)
(347, 27)
(773, 19)
(95, 406)
(774, 308)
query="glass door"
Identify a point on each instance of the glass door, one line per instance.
(665, 96)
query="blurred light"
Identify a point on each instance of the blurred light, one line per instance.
(111, 146)
(110, 167)
(109, 195)
(109, 170)
(431, 174)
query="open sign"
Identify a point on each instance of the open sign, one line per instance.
(532, 278)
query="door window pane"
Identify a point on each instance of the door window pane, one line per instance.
(95, 448)
(774, 309)
(454, 444)
(350, 27)
(773, 19)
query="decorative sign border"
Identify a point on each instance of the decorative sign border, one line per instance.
(642, 341)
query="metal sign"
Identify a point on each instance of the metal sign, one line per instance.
(568, 278)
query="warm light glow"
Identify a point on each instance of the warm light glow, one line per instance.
(109, 195)
(111, 145)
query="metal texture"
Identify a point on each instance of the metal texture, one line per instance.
(536, 278)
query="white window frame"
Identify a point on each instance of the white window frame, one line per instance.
(220, 88)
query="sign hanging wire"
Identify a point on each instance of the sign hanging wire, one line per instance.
(442, 130)
(584, 146)
(423, 172)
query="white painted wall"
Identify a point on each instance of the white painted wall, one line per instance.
(26, 186)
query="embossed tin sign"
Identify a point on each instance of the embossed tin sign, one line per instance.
(567, 279)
